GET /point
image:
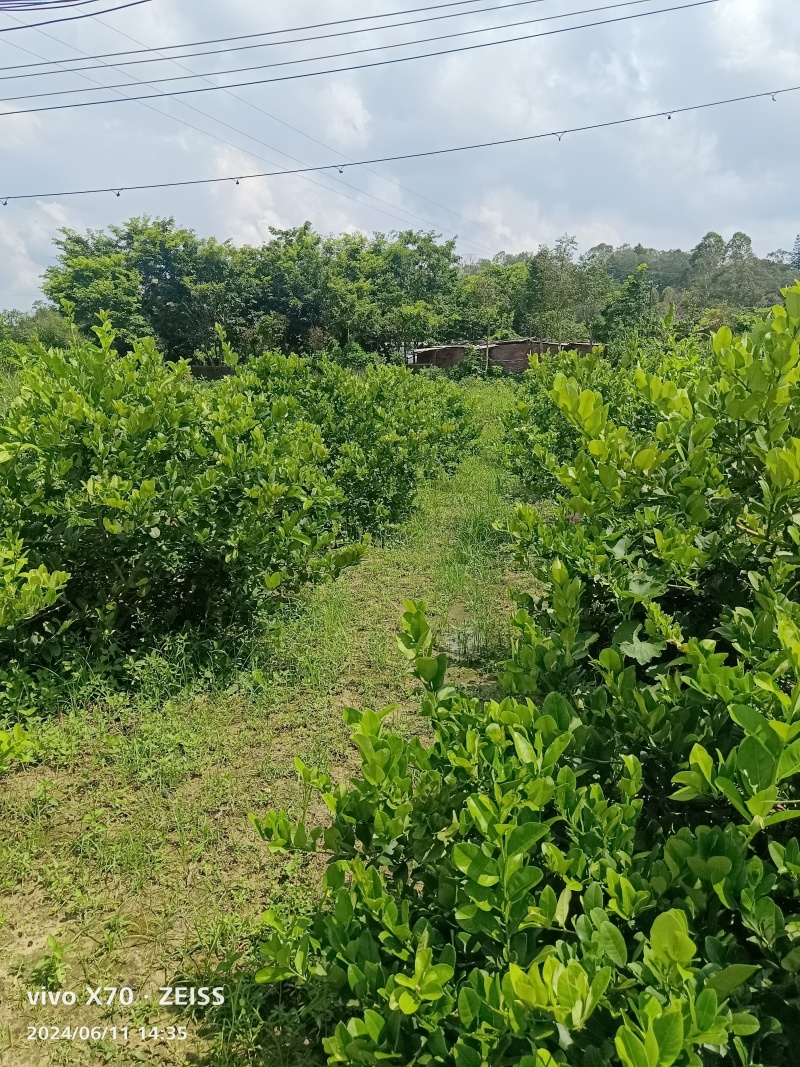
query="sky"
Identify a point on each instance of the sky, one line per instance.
(663, 182)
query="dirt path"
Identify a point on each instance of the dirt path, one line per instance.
(129, 843)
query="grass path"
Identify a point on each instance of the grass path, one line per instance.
(130, 842)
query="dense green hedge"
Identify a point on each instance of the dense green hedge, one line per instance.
(384, 428)
(135, 501)
(538, 423)
(599, 868)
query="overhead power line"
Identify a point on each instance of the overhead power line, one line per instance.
(43, 5)
(159, 57)
(339, 55)
(362, 198)
(268, 33)
(425, 154)
(256, 155)
(340, 70)
(351, 52)
(67, 18)
(261, 111)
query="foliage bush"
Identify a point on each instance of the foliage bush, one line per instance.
(690, 511)
(154, 502)
(498, 897)
(352, 355)
(42, 323)
(538, 426)
(473, 365)
(147, 503)
(384, 428)
(598, 868)
(14, 746)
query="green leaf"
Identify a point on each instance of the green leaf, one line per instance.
(562, 908)
(475, 864)
(525, 750)
(789, 763)
(600, 984)
(791, 961)
(529, 987)
(781, 816)
(669, 938)
(573, 986)
(427, 667)
(644, 458)
(522, 882)
(627, 638)
(523, 837)
(752, 722)
(407, 1002)
(743, 1024)
(729, 978)
(559, 708)
(762, 803)
(706, 1009)
(612, 944)
(756, 764)
(630, 1049)
(483, 812)
(469, 1007)
(466, 1056)
(700, 758)
(668, 1031)
(729, 790)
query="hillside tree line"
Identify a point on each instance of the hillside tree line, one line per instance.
(302, 291)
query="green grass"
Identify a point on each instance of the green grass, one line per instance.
(129, 840)
(8, 387)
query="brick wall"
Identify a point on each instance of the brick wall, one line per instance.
(511, 355)
(210, 371)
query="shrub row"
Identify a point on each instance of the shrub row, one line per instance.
(600, 867)
(383, 428)
(135, 501)
(538, 423)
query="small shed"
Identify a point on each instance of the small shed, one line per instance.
(511, 355)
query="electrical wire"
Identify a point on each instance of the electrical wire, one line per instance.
(265, 33)
(301, 40)
(334, 55)
(339, 55)
(472, 222)
(295, 129)
(340, 70)
(43, 5)
(71, 18)
(255, 155)
(425, 154)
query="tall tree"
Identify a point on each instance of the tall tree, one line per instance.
(706, 262)
(739, 275)
(631, 310)
(552, 291)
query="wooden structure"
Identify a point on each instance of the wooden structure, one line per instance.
(211, 372)
(512, 355)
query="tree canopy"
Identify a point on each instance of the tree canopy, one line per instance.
(303, 291)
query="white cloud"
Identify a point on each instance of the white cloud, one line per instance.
(757, 36)
(346, 119)
(656, 182)
(20, 264)
(248, 208)
(18, 131)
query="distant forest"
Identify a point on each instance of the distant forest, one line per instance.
(302, 291)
